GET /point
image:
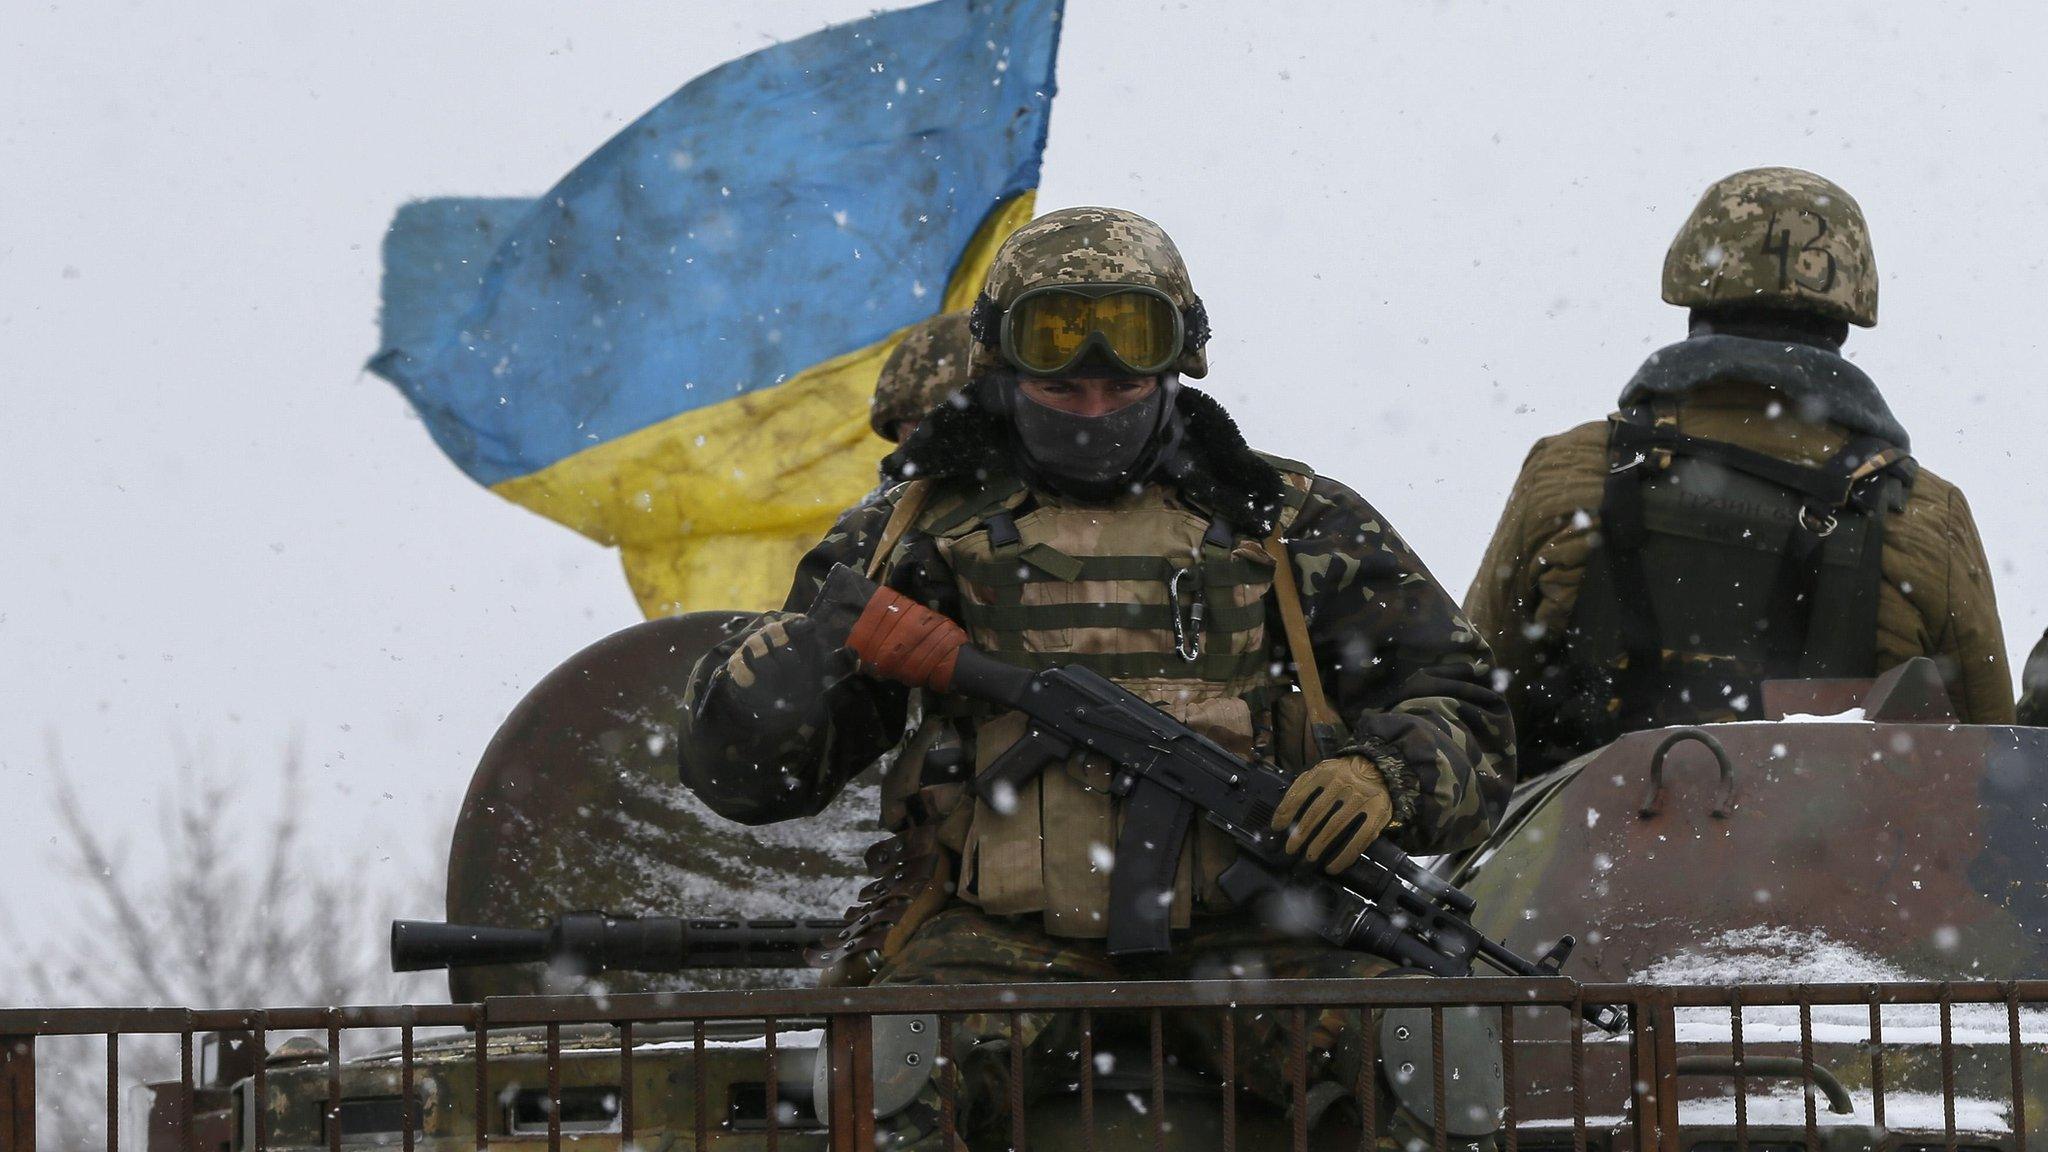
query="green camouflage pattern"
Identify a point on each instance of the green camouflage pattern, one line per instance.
(964, 946)
(1780, 237)
(1402, 667)
(1089, 246)
(928, 365)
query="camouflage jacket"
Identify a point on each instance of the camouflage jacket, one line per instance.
(1935, 598)
(1399, 662)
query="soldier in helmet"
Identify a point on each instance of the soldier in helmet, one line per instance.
(1751, 511)
(1085, 507)
(2033, 706)
(928, 365)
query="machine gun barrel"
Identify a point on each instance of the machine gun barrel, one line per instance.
(586, 943)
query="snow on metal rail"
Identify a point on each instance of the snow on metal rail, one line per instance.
(1553, 1070)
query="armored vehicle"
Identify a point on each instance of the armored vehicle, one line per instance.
(1788, 875)
(1826, 927)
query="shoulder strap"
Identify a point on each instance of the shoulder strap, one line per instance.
(1842, 584)
(1620, 551)
(1638, 443)
(1295, 623)
(908, 505)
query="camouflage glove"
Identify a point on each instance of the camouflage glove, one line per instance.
(1345, 794)
(790, 663)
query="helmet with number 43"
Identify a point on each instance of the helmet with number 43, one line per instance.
(1778, 238)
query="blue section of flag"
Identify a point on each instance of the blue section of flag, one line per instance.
(435, 255)
(789, 207)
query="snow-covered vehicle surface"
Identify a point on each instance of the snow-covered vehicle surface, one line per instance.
(1859, 838)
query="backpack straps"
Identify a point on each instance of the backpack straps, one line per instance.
(1829, 597)
(908, 505)
(1630, 442)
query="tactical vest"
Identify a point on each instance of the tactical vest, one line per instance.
(1718, 567)
(1150, 592)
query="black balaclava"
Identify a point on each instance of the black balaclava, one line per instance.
(1761, 322)
(1090, 458)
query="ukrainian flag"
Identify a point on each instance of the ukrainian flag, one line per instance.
(673, 350)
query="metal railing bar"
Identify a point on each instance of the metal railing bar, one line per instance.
(700, 1088)
(1948, 1076)
(1087, 1080)
(1158, 1026)
(113, 1092)
(482, 1039)
(1229, 1044)
(259, 1103)
(1507, 1079)
(626, 1084)
(1368, 1082)
(1876, 1059)
(2018, 1058)
(2019, 1090)
(186, 1136)
(1741, 1074)
(171, 1021)
(333, 1081)
(1436, 1060)
(1819, 995)
(910, 999)
(850, 1077)
(772, 1086)
(1016, 1083)
(554, 1065)
(1806, 1081)
(1578, 1008)
(949, 1086)
(406, 1104)
(1297, 1073)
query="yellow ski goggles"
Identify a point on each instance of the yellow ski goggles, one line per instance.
(1049, 330)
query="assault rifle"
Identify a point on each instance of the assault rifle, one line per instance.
(1166, 773)
(586, 943)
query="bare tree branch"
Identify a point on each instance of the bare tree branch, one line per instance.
(230, 912)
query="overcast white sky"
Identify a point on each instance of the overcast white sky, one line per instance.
(1427, 233)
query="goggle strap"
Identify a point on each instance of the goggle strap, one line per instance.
(985, 321)
(1194, 326)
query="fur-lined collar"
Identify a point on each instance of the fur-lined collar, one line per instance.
(1822, 385)
(1214, 468)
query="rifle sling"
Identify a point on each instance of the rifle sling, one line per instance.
(1295, 624)
(915, 493)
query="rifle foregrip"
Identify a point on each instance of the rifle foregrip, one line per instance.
(899, 639)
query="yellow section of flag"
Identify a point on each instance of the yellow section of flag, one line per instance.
(714, 507)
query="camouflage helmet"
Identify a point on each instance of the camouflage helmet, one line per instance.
(1088, 246)
(1778, 237)
(929, 363)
